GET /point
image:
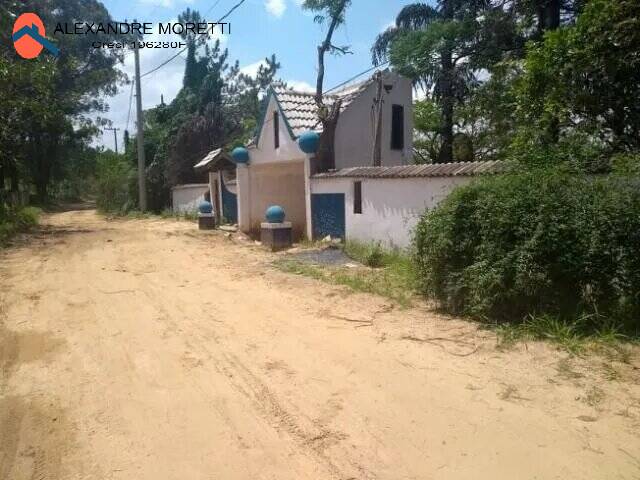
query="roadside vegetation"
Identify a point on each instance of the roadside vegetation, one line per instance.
(537, 244)
(388, 273)
(17, 220)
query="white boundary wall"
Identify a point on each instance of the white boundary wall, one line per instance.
(391, 207)
(186, 198)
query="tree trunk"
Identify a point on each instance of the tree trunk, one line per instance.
(548, 13)
(446, 131)
(2, 169)
(548, 16)
(446, 94)
(326, 158)
(42, 173)
(377, 141)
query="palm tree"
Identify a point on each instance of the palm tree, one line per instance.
(443, 61)
(446, 74)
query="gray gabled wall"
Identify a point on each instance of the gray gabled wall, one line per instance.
(355, 132)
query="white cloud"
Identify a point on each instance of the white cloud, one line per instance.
(275, 7)
(388, 25)
(252, 68)
(301, 86)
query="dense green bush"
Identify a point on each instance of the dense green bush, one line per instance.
(115, 184)
(536, 243)
(13, 221)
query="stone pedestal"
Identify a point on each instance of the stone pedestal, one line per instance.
(276, 236)
(206, 221)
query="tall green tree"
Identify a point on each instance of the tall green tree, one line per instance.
(76, 85)
(443, 48)
(584, 81)
(194, 69)
(332, 14)
(216, 108)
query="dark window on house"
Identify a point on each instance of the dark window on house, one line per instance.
(397, 127)
(357, 197)
(276, 130)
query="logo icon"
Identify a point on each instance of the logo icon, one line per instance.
(29, 36)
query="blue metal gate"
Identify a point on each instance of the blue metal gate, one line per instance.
(229, 204)
(327, 215)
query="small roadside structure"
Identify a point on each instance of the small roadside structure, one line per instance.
(374, 193)
(277, 170)
(186, 198)
(222, 184)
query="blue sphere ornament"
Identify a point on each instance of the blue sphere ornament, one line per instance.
(308, 142)
(274, 214)
(205, 207)
(240, 155)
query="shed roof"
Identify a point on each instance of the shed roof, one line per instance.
(453, 169)
(214, 161)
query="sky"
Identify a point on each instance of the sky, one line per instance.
(259, 28)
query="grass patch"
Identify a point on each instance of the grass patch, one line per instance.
(165, 214)
(189, 216)
(17, 221)
(375, 256)
(581, 336)
(389, 275)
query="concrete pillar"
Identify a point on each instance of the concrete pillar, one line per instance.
(307, 197)
(212, 192)
(244, 197)
(219, 193)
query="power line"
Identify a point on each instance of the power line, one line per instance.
(130, 52)
(185, 48)
(356, 76)
(206, 13)
(211, 8)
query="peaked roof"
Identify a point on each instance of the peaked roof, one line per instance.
(300, 110)
(214, 161)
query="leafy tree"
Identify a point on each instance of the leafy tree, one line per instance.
(67, 90)
(443, 48)
(194, 70)
(217, 107)
(331, 12)
(545, 15)
(584, 80)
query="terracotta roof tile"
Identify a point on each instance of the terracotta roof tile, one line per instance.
(300, 108)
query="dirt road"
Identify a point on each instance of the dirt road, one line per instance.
(144, 349)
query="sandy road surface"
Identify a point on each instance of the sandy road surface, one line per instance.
(147, 350)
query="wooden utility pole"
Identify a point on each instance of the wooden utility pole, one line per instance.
(115, 136)
(142, 191)
(377, 139)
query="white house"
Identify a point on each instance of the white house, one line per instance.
(384, 204)
(367, 197)
(276, 174)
